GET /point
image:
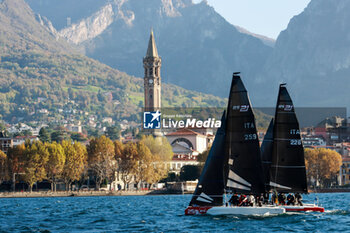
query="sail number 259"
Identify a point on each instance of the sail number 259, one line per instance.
(248, 137)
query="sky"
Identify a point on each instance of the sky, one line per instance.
(265, 17)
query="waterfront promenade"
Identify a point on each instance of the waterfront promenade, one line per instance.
(72, 194)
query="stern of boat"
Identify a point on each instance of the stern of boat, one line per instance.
(197, 210)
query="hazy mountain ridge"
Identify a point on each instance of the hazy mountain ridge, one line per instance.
(313, 55)
(38, 71)
(195, 42)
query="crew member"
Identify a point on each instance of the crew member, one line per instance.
(298, 199)
(290, 199)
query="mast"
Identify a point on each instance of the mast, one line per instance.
(288, 172)
(243, 169)
(210, 187)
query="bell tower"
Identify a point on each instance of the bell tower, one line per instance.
(152, 80)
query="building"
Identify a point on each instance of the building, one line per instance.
(5, 142)
(152, 80)
(187, 144)
(344, 173)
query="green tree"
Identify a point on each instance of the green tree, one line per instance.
(78, 137)
(202, 158)
(55, 163)
(59, 135)
(76, 162)
(113, 132)
(101, 158)
(189, 172)
(44, 135)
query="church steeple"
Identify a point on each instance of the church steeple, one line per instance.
(152, 48)
(152, 80)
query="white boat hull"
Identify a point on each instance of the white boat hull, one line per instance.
(235, 210)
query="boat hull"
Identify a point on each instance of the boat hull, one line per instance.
(304, 208)
(235, 210)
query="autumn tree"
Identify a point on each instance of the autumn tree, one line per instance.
(162, 153)
(55, 163)
(101, 158)
(76, 162)
(35, 157)
(126, 156)
(3, 166)
(15, 160)
(159, 146)
(322, 165)
(144, 166)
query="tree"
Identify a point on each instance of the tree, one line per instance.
(202, 158)
(3, 166)
(159, 146)
(15, 160)
(189, 172)
(76, 162)
(55, 163)
(78, 137)
(126, 156)
(113, 132)
(322, 165)
(35, 157)
(59, 135)
(44, 135)
(101, 158)
(144, 169)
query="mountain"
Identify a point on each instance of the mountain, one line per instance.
(313, 56)
(199, 48)
(44, 78)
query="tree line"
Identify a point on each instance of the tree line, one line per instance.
(102, 159)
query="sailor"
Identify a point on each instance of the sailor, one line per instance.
(282, 199)
(274, 200)
(290, 199)
(266, 198)
(259, 200)
(250, 200)
(242, 200)
(298, 199)
(234, 200)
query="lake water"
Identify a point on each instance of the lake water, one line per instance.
(159, 214)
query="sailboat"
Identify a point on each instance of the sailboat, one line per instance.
(234, 162)
(283, 153)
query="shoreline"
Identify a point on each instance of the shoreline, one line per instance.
(38, 194)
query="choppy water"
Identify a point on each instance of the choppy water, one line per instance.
(158, 214)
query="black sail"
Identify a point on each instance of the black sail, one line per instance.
(243, 169)
(210, 187)
(288, 172)
(266, 154)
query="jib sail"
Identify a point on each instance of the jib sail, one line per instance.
(210, 187)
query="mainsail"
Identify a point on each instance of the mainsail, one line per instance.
(288, 172)
(243, 169)
(210, 187)
(266, 154)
